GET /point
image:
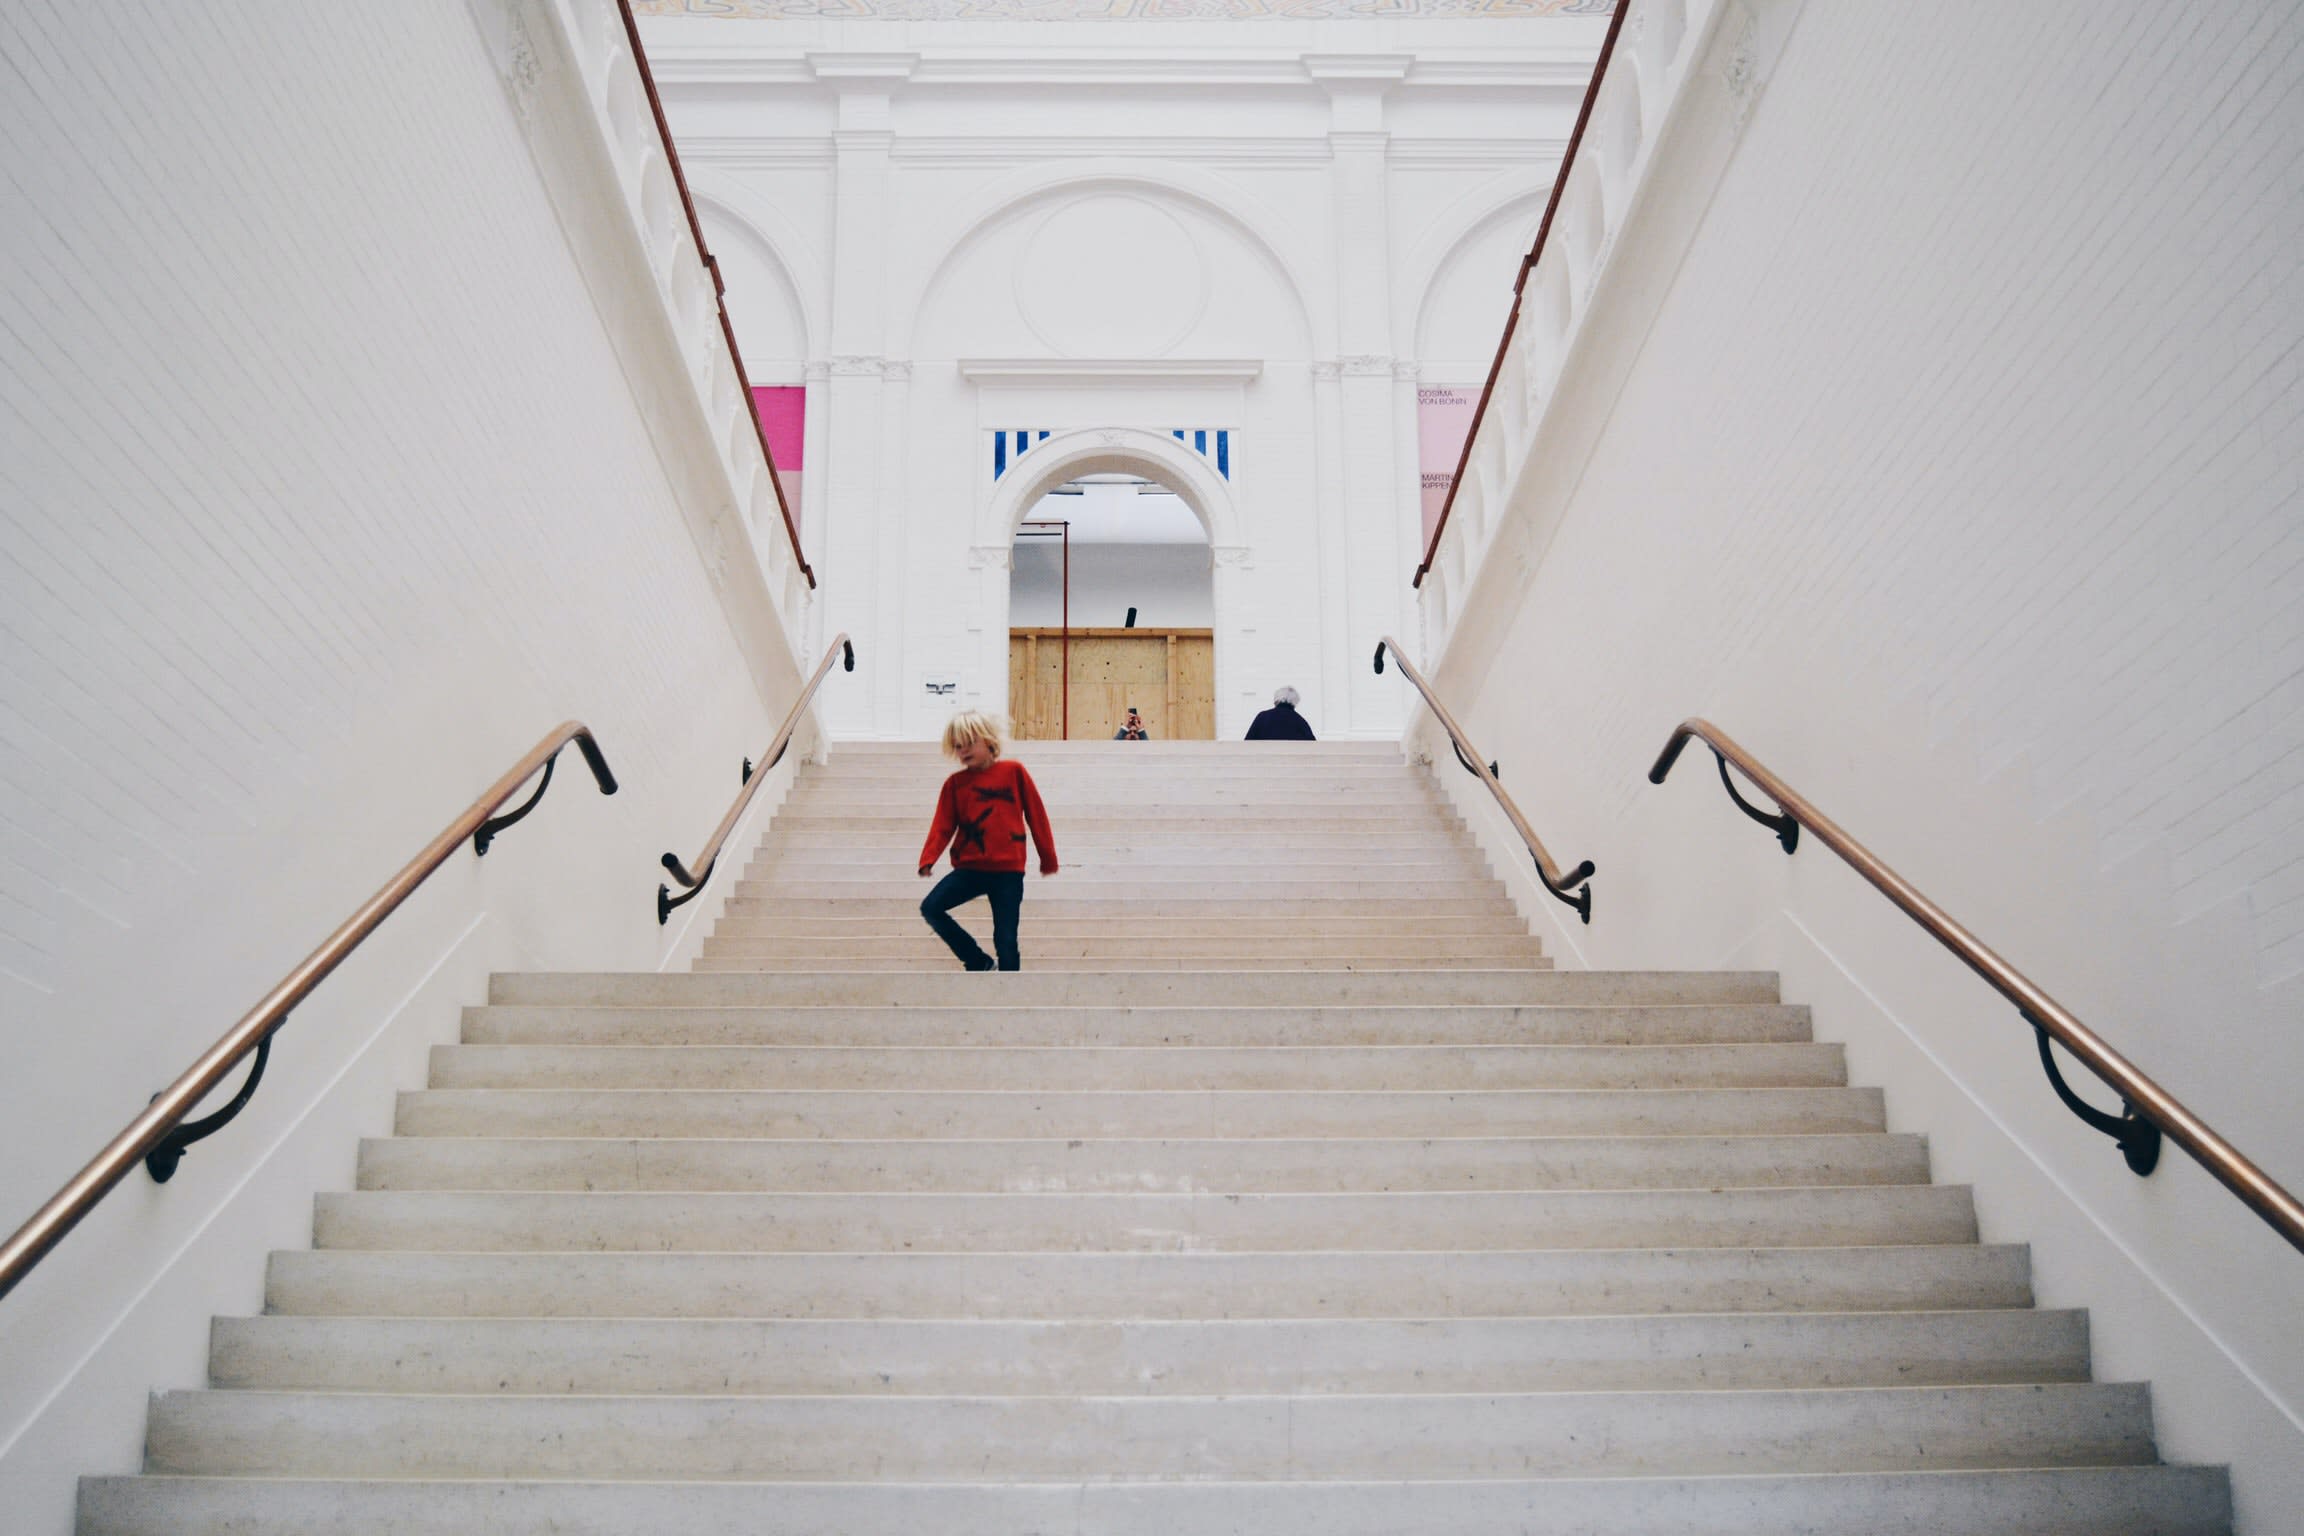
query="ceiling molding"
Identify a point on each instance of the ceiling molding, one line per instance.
(1565, 70)
(1093, 370)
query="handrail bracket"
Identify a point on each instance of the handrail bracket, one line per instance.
(2137, 1137)
(1787, 829)
(161, 1161)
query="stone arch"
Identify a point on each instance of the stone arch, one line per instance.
(1111, 450)
(1012, 195)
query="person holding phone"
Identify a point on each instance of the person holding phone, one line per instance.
(1132, 728)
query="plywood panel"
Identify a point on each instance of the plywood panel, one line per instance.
(1165, 673)
(1195, 687)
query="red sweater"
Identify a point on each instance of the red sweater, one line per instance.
(983, 814)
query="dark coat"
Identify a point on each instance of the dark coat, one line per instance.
(1280, 723)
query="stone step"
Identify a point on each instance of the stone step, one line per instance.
(1121, 1286)
(2106, 1501)
(1204, 988)
(1455, 1221)
(1180, 762)
(1123, 947)
(1303, 1356)
(1139, 786)
(925, 952)
(1053, 899)
(1095, 1166)
(1205, 861)
(1317, 818)
(1011, 1116)
(1150, 884)
(1076, 1069)
(1035, 958)
(993, 1439)
(1129, 1025)
(905, 921)
(843, 754)
(1187, 839)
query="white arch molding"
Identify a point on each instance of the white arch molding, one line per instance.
(773, 238)
(1024, 189)
(1065, 456)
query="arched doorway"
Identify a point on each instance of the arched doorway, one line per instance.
(1111, 608)
(1112, 464)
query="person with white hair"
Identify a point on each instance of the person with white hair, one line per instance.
(1281, 722)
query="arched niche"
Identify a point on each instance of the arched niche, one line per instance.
(766, 306)
(1108, 265)
(1467, 297)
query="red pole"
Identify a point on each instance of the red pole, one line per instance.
(1067, 629)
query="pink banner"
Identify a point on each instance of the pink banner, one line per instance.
(1443, 416)
(783, 410)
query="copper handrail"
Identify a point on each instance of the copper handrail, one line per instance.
(719, 288)
(665, 900)
(2146, 1099)
(167, 1110)
(1546, 870)
(1527, 265)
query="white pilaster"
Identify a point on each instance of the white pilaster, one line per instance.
(863, 234)
(1370, 507)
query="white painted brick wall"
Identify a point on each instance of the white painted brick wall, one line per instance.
(1961, 477)
(323, 494)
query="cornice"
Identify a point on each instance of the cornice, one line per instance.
(1565, 70)
(862, 66)
(1089, 370)
(1003, 149)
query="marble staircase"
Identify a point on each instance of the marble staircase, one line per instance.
(1287, 1190)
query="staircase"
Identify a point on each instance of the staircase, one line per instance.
(1286, 1191)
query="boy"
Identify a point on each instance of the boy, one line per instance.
(983, 812)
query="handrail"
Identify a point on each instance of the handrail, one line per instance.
(1527, 265)
(719, 287)
(157, 1137)
(2150, 1110)
(665, 900)
(1469, 756)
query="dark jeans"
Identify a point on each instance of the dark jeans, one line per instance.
(1006, 890)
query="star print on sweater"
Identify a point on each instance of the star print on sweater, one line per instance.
(984, 815)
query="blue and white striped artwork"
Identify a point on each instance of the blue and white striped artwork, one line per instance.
(1214, 443)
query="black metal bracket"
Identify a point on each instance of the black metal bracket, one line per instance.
(748, 769)
(1581, 875)
(666, 901)
(495, 824)
(593, 759)
(161, 1161)
(1379, 658)
(1786, 829)
(2138, 1138)
(1494, 772)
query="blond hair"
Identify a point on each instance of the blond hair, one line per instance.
(971, 725)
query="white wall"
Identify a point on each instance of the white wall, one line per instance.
(1956, 470)
(335, 425)
(1115, 205)
(1167, 584)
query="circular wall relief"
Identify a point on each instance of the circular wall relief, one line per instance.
(1111, 276)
